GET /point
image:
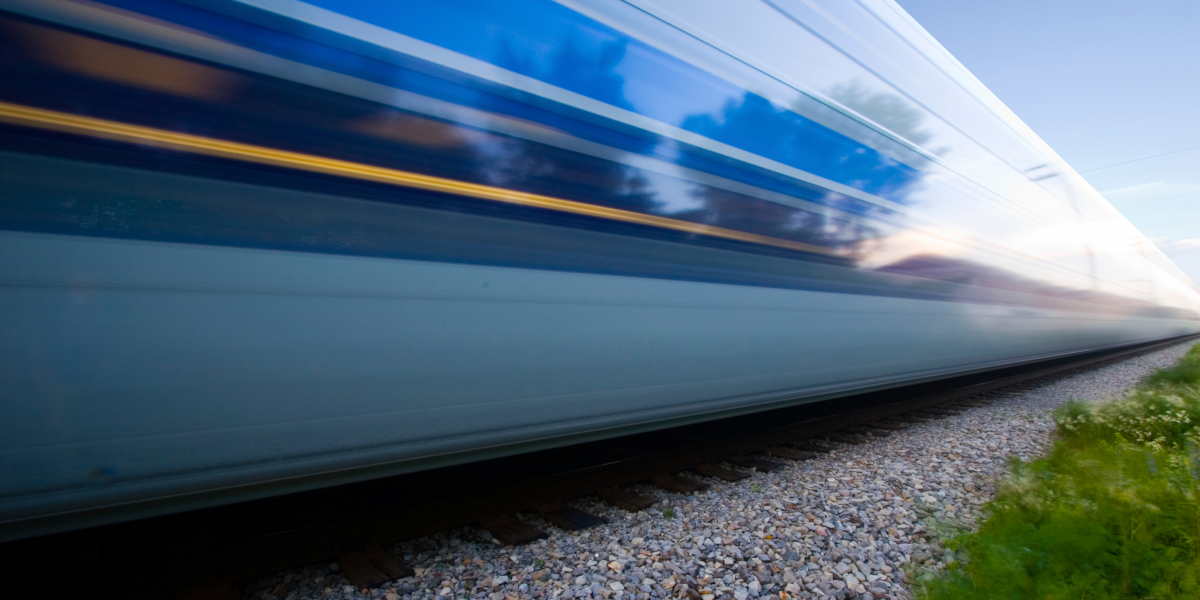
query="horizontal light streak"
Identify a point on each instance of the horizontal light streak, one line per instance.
(113, 130)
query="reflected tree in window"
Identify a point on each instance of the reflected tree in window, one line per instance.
(532, 167)
(756, 125)
(889, 110)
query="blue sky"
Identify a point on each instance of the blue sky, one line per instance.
(1102, 82)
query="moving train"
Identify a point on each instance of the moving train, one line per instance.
(250, 247)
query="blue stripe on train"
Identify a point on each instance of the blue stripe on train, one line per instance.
(544, 40)
(548, 42)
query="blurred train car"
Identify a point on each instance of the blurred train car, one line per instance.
(250, 247)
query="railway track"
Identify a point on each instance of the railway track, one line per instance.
(208, 553)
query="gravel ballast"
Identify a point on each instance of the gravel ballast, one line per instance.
(857, 522)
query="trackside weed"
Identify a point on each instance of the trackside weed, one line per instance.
(1113, 511)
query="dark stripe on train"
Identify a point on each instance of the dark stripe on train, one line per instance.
(200, 200)
(583, 64)
(277, 113)
(280, 114)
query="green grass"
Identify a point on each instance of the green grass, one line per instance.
(1113, 511)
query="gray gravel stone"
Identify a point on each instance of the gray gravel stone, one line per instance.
(844, 525)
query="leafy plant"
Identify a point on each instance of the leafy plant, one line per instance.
(1162, 414)
(1185, 372)
(1113, 511)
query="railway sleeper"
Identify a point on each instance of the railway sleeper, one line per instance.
(758, 464)
(790, 454)
(677, 484)
(847, 438)
(507, 530)
(625, 499)
(568, 518)
(864, 430)
(886, 426)
(709, 470)
(372, 567)
(811, 446)
(942, 412)
(928, 415)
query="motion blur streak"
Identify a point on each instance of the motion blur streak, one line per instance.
(255, 246)
(24, 115)
(121, 64)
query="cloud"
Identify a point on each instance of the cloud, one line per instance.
(1169, 246)
(1154, 189)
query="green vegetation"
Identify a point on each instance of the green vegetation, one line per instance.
(1112, 512)
(669, 513)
